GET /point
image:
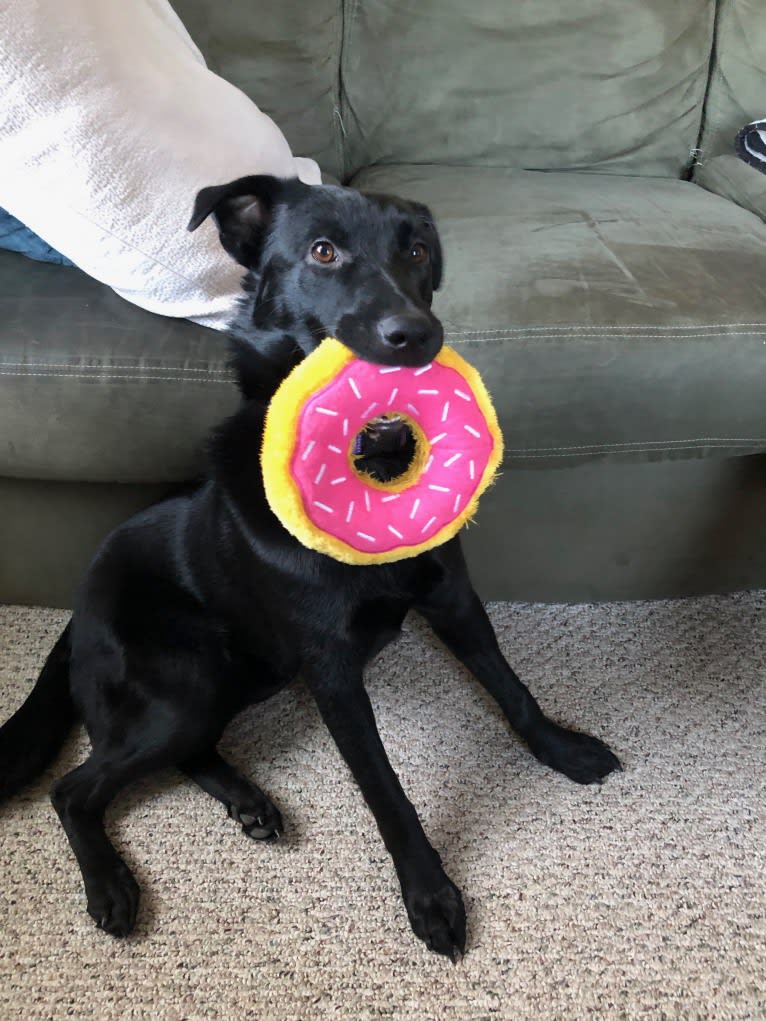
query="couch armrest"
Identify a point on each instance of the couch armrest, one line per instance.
(734, 179)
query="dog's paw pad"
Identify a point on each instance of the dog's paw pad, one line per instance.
(438, 918)
(260, 821)
(580, 757)
(113, 901)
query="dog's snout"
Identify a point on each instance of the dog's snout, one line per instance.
(409, 330)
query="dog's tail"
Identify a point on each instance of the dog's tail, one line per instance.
(33, 736)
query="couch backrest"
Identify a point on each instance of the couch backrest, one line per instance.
(737, 93)
(608, 85)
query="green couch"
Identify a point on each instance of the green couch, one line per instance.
(606, 271)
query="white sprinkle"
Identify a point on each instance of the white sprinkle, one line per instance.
(391, 368)
(345, 427)
(309, 447)
(451, 460)
(335, 450)
(429, 462)
(370, 410)
(445, 411)
(414, 510)
(326, 411)
(364, 535)
(419, 372)
(413, 409)
(354, 387)
(320, 473)
(456, 504)
(324, 507)
(337, 482)
(438, 489)
(392, 398)
(350, 511)
(474, 432)
(428, 391)
(471, 469)
(427, 525)
(367, 500)
(388, 499)
(465, 396)
(397, 534)
(437, 438)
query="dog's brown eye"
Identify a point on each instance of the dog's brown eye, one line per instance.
(323, 251)
(419, 253)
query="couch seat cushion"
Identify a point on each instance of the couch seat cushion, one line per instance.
(95, 389)
(612, 317)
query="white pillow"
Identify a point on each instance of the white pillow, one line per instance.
(110, 123)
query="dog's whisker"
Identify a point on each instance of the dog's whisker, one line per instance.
(263, 304)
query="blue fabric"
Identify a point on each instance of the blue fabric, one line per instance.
(18, 238)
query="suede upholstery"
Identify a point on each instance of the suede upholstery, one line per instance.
(609, 85)
(605, 259)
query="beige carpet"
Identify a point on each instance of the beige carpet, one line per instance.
(644, 898)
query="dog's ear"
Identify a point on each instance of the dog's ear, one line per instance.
(437, 259)
(242, 211)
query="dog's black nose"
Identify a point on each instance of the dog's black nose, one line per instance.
(408, 330)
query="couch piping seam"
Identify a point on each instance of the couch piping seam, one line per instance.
(117, 368)
(521, 455)
(457, 338)
(643, 444)
(110, 376)
(574, 328)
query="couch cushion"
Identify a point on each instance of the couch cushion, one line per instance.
(610, 84)
(612, 317)
(285, 56)
(736, 180)
(95, 389)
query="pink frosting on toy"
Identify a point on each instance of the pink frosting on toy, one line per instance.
(339, 502)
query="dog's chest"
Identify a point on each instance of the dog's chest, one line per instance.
(377, 621)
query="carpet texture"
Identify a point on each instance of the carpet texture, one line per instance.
(642, 898)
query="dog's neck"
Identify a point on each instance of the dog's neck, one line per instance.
(261, 367)
(266, 342)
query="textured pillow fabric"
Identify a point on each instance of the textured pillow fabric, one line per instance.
(110, 122)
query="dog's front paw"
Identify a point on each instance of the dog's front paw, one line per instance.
(259, 818)
(581, 757)
(113, 897)
(437, 916)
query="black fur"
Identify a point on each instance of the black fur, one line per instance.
(204, 604)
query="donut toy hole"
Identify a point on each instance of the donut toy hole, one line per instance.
(385, 449)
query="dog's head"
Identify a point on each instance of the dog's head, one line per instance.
(329, 261)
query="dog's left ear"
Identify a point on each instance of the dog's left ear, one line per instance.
(242, 211)
(437, 260)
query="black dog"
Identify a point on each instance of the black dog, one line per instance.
(204, 604)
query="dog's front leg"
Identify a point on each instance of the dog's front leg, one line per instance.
(433, 902)
(455, 612)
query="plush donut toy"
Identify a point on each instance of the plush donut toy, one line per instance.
(313, 480)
